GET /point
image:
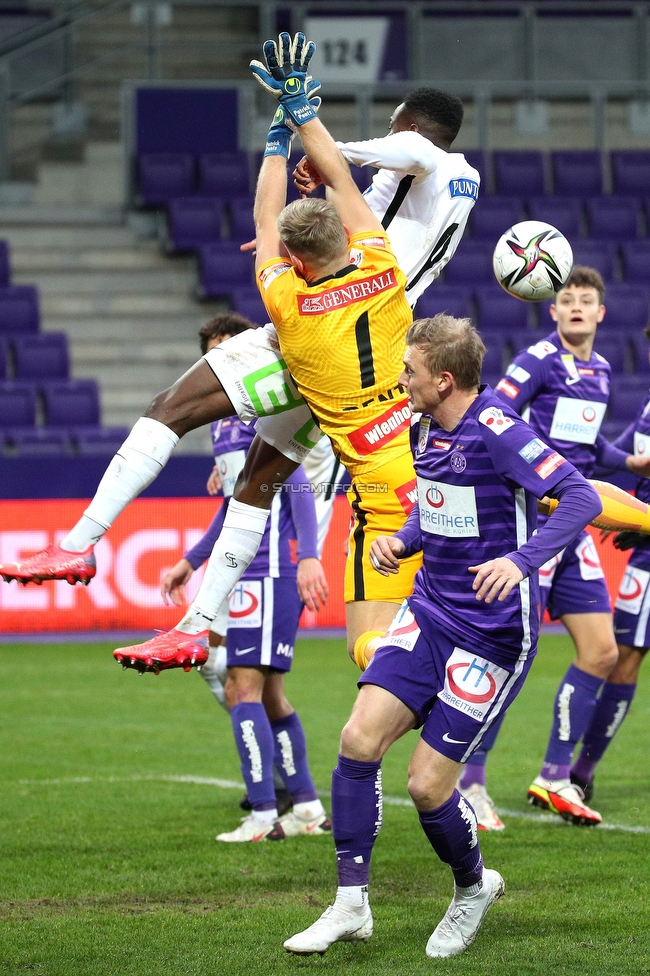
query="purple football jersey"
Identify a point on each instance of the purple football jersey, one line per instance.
(635, 439)
(562, 398)
(231, 440)
(478, 487)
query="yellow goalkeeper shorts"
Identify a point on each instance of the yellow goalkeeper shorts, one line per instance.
(380, 500)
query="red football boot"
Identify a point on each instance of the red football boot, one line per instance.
(53, 563)
(168, 649)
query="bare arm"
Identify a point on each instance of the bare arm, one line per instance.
(335, 173)
(270, 200)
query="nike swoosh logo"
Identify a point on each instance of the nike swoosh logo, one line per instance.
(459, 742)
(245, 650)
(572, 381)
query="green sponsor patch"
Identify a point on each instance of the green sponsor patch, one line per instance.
(272, 390)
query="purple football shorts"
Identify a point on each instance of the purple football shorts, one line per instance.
(573, 581)
(632, 608)
(262, 623)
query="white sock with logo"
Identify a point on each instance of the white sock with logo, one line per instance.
(138, 462)
(233, 552)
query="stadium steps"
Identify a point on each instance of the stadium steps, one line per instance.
(127, 309)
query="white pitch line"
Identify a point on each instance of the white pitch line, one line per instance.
(231, 784)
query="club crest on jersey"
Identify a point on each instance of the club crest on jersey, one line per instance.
(495, 419)
(471, 683)
(423, 435)
(463, 188)
(458, 462)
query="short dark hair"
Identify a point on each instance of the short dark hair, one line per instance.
(583, 277)
(450, 345)
(225, 324)
(437, 108)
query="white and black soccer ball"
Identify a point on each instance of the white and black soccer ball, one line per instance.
(532, 260)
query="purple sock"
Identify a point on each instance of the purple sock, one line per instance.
(474, 771)
(452, 831)
(357, 807)
(572, 712)
(254, 741)
(611, 708)
(291, 758)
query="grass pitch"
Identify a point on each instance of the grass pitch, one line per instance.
(109, 866)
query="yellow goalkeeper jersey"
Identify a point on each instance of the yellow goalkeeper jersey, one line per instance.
(343, 340)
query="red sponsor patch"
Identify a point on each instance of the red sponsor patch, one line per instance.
(549, 465)
(381, 430)
(342, 295)
(585, 371)
(508, 388)
(442, 445)
(408, 495)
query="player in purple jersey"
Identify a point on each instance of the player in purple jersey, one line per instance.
(561, 387)
(459, 649)
(260, 624)
(631, 620)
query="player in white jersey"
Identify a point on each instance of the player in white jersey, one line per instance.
(251, 379)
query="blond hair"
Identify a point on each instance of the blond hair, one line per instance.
(312, 229)
(449, 345)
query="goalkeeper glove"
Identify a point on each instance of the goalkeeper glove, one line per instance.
(283, 128)
(285, 75)
(630, 540)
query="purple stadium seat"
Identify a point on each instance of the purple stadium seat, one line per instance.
(478, 159)
(91, 441)
(452, 299)
(224, 174)
(19, 310)
(577, 173)
(71, 403)
(600, 255)
(164, 176)
(614, 349)
(242, 225)
(631, 172)
(17, 404)
(613, 218)
(640, 350)
(494, 364)
(627, 307)
(43, 356)
(248, 303)
(4, 348)
(499, 311)
(636, 262)
(518, 173)
(37, 441)
(560, 212)
(471, 265)
(194, 221)
(5, 264)
(522, 340)
(492, 216)
(223, 267)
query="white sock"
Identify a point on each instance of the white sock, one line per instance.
(233, 552)
(353, 896)
(138, 462)
(262, 818)
(309, 810)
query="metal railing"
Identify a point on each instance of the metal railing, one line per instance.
(152, 46)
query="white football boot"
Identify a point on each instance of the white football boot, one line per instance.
(463, 918)
(295, 826)
(486, 816)
(338, 923)
(248, 830)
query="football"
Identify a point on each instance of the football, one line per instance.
(532, 260)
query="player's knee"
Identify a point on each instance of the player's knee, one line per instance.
(240, 689)
(168, 409)
(360, 743)
(425, 789)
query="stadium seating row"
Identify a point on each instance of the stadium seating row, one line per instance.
(35, 357)
(45, 442)
(65, 403)
(570, 173)
(612, 218)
